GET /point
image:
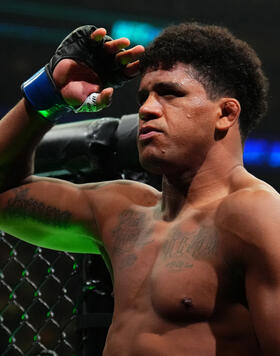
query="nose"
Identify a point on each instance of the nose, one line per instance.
(150, 109)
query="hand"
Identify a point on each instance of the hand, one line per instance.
(77, 80)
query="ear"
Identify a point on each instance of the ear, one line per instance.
(229, 113)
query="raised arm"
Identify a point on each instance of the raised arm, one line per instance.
(47, 212)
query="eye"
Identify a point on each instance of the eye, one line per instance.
(170, 92)
(167, 93)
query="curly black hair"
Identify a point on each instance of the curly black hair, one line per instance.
(223, 64)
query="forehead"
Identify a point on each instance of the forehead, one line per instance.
(180, 73)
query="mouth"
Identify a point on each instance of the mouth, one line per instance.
(147, 132)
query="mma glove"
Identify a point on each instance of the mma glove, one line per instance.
(43, 95)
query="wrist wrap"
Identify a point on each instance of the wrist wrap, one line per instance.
(44, 97)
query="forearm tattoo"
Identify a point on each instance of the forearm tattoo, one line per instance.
(23, 206)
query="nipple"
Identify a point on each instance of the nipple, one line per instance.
(187, 301)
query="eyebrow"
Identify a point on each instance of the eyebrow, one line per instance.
(167, 85)
(157, 87)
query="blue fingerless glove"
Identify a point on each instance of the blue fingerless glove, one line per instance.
(40, 90)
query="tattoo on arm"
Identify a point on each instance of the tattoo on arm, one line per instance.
(26, 207)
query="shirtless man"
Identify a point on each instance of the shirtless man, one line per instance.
(197, 267)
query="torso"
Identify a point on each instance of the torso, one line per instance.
(178, 286)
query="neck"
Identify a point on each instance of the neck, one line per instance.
(198, 187)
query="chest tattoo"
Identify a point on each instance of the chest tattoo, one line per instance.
(181, 248)
(131, 232)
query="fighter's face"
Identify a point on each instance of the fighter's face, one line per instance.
(176, 119)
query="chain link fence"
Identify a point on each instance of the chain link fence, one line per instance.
(40, 294)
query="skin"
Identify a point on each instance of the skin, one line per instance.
(196, 266)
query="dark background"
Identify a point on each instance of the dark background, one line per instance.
(31, 30)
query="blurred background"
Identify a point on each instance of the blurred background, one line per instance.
(32, 318)
(31, 30)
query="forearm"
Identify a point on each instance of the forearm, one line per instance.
(21, 130)
(64, 84)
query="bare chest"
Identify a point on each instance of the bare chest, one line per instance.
(176, 270)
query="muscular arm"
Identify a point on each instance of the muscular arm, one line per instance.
(47, 212)
(263, 272)
(256, 220)
(50, 214)
(40, 211)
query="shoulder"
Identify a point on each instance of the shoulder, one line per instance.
(118, 190)
(252, 213)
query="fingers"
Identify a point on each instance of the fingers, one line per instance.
(113, 46)
(69, 70)
(104, 98)
(117, 45)
(98, 34)
(132, 69)
(130, 55)
(96, 101)
(129, 58)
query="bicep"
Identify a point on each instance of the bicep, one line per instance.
(50, 213)
(253, 216)
(263, 291)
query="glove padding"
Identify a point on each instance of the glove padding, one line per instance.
(80, 47)
(40, 90)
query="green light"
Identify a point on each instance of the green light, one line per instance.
(49, 112)
(57, 235)
(75, 265)
(24, 316)
(50, 270)
(50, 314)
(11, 339)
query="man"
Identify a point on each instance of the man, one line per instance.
(196, 267)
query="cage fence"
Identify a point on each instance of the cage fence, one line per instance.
(40, 294)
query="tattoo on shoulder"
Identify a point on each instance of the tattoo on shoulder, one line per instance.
(24, 206)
